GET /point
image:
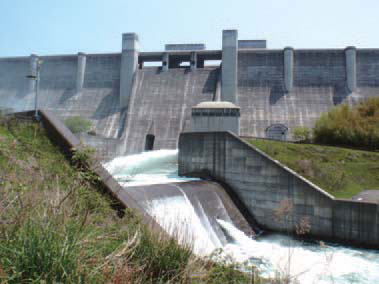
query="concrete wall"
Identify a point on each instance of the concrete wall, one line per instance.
(270, 91)
(319, 82)
(161, 105)
(98, 100)
(63, 138)
(229, 66)
(262, 184)
(106, 148)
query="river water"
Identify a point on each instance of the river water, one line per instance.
(308, 262)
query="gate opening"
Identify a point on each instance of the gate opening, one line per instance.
(149, 142)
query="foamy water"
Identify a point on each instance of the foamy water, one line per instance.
(177, 216)
(309, 262)
(153, 167)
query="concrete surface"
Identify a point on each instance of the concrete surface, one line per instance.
(185, 46)
(369, 195)
(161, 105)
(208, 199)
(98, 101)
(129, 62)
(229, 66)
(290, 87)
(63, 137)
(266, 188)
(249, 44)
(215, 116)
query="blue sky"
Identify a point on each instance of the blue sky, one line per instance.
(95, 26)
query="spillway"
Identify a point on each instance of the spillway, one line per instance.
(184, 207)
(200, 212)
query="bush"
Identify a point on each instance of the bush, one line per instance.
(77, 124)
(303, 134)
(356, 126)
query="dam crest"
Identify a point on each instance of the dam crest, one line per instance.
(127, 99)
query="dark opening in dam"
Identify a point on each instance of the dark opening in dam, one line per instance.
(149, 142)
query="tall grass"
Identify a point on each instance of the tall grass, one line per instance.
(356, 126)
(57, 227)
(37, 251)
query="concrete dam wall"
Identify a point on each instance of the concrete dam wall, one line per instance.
(161, 103)
(126, 100)
(318, 83)
(96, 97)
(265, 187)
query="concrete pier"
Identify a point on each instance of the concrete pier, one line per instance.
(351, 68)
(193, 61)
(129, 61)
(229, 65)
(32, 72)
(80, 72)
(288, 68)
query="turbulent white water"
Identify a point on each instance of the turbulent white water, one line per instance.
(153, 167)
(309, 262)
(177, 216)
(306, 262)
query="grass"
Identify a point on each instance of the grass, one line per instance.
(340, 171)
(57, 227)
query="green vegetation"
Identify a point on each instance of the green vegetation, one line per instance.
(56, 226)
(341, 172)
(77, 124)
(303, 134)
(356, 126)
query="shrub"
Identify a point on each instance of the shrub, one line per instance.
(302, 134)
(356, 126)
(77, 124)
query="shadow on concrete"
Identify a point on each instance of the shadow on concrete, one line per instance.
(341, 93)
(276, 93)
(109, 105)
(210, 84)
(68, 93)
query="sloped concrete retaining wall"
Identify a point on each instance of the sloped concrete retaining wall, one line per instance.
(266, 187)
(64, 138)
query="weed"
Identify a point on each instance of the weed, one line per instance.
(77, 124)
(226, 273)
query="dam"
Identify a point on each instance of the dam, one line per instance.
(132, 94)
(174, 99)
(201, 213)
